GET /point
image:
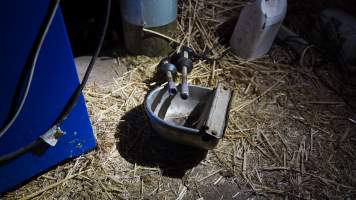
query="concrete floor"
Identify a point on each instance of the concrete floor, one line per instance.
(104, 71)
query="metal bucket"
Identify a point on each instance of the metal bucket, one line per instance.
(157, 15)
(149, 13)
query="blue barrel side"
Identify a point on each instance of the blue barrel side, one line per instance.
(54, 81)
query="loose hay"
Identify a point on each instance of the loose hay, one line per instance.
(288, 136)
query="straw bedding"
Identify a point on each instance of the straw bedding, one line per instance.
(288, 137)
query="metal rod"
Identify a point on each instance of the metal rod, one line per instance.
(172, 89)
(185, 86)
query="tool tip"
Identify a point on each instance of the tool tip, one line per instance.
(173, 91)
(184, 96)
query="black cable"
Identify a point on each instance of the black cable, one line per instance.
(73, 99)
(10, 156)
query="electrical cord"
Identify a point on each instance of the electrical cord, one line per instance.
(12, 155)
(38, 47)
(73, 99)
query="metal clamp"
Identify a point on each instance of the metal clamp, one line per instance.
(52, 135)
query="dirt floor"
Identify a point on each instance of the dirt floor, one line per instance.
(289, 136)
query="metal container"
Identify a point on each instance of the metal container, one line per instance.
(198, 121)
(149, 13)
(157, 15)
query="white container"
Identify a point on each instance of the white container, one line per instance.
(257, 27)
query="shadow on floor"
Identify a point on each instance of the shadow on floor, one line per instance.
(138, 143)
